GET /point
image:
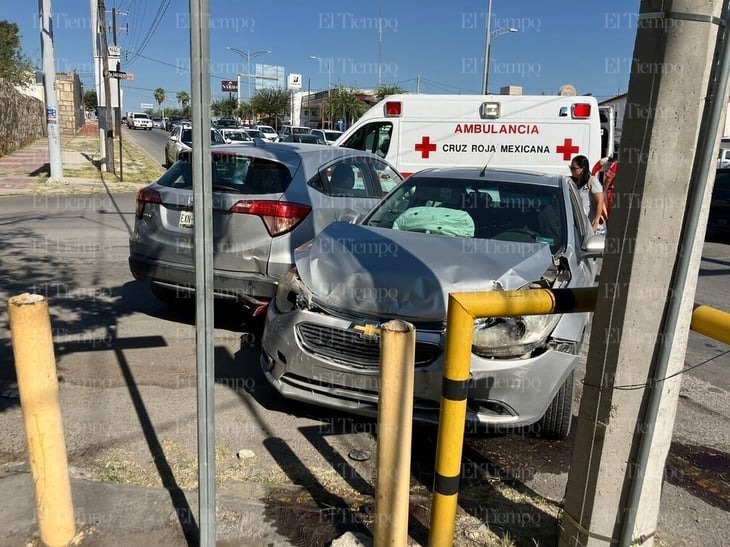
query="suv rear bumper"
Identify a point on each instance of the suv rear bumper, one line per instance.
(252, 288)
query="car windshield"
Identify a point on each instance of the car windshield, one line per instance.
(255, 133)
(237, 136)
(300, 130)
(232, 173)
(482, 209)
(332, 135)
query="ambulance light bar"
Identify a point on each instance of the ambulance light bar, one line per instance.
(489, 111)
(578, 111)
(393, 109)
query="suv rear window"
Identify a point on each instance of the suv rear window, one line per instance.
(232, 173)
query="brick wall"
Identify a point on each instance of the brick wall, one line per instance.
(22, 119)
(70, 103)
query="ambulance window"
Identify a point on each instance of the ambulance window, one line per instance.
(373, 137)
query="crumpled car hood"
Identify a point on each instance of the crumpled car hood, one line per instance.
(390, 273)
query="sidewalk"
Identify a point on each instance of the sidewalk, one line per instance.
(109, 514)
(26, 171)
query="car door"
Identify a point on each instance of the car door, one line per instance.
(348, 188)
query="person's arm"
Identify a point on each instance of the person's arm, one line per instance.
(599, 206)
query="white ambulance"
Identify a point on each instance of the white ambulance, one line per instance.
(537, 133)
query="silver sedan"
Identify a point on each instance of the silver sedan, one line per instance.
(440, 231)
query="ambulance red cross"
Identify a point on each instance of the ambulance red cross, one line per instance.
(535, 133)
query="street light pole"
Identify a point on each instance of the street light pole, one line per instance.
(329, 85)
(493, 35)
(248, 54)
(487, 48)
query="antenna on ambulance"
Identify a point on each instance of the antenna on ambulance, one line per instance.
(483, 172)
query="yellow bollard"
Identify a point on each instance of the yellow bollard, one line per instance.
(35, 367)
(711, 322)
(395, 428)
(452, 416)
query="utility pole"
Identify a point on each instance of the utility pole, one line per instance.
(118, 107)
(107, 90)
(49, 86)
(649, 274)
(97, 73)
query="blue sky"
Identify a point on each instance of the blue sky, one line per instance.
(433, 45)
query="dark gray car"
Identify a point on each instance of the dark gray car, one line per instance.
(267, 200)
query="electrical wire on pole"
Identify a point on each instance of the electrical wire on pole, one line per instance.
(110, 167)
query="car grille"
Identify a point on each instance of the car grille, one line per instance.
(354, 348)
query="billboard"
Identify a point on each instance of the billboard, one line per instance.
(229, 86)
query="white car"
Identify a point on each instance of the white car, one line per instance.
(269, 132)
(329, 135)
(139, 120)
(235, 135)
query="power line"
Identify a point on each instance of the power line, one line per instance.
(161, 10)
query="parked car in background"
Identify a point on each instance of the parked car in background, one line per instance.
(269, 132)
(305, 138)
(181, 139)
(287, 130)
(226, 123)
(235, 135)
(440, 231)
(139, 120)
(171, 122)
(267, 200)
(329, 135)
(255, 133)
(718, 222)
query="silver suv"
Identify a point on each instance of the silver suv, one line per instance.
(268, 199)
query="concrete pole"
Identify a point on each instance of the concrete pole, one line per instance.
(49, 85)
(35, 366)
(97, 73)
(634, 324)
(485, 81)
(108, 124)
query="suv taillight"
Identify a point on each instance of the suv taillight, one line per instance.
(279, 216)
(146, 195)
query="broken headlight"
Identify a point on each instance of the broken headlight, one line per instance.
(291, 293)
(511, 336)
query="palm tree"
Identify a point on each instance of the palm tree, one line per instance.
(346, 105)
(159, 95)
(184, 99)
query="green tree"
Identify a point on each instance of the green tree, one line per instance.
(272, 104)
(183, 97)
(343, 103)
(383, 90)
(224, 108)
(244, 111)
(15, 67)
(91, 102)
(159, 95)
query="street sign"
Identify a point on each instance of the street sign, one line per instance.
(114, 51)
(295, 81)
(229, 86)
(146, 105)
(117, 74)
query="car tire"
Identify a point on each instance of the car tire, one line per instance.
(171, 297)
(555, 423)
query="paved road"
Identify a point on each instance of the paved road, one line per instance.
(152, 142)
(127, 370)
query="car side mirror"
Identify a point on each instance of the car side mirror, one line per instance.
(351, 217)
(594, 245)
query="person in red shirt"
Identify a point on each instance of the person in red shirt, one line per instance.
(605, 170)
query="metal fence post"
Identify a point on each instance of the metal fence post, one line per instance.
(395, 427)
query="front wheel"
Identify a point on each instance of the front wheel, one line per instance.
(555, 423)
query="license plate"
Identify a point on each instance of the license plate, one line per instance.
(186, 219)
